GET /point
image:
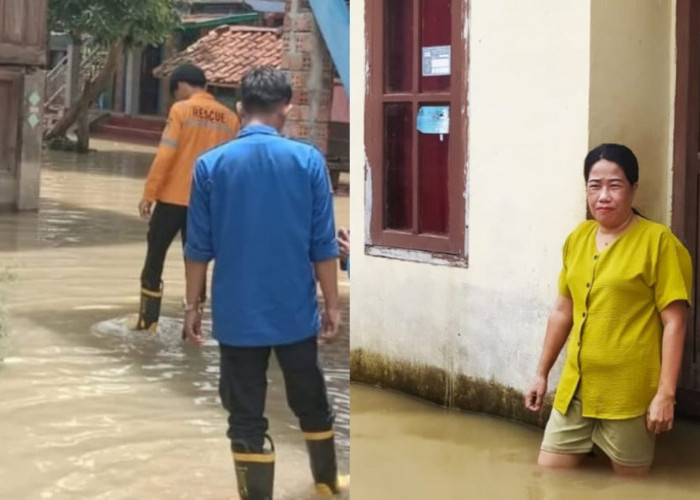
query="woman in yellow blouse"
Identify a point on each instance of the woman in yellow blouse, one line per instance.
(623, 295)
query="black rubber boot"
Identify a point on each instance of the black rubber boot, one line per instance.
(321, 447)
(149, 310)
(255, 474)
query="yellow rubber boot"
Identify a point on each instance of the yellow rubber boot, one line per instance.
(324, 468)
(149, 309)
(255, 474)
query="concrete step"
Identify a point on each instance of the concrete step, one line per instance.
(114, 132)
(155, 123)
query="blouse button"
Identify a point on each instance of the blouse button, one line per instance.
(595, 257)
(588, 285)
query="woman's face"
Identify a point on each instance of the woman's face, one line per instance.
(610, 195)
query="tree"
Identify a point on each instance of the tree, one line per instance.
(114, 25)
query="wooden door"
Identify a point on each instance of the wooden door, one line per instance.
(11, 97)
(23, 32)
(686, 185)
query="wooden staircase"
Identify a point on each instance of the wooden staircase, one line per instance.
(92, 63)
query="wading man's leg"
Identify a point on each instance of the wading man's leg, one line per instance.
(243, 387)
(308, 399)
(166, 221)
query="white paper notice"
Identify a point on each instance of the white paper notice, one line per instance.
(437, 60)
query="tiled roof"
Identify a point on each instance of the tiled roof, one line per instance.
(227, 52)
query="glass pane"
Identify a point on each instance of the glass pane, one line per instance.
(433, 154)
(398, 43)
(398, 178)
(436, 35)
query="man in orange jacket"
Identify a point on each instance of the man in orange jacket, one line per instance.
(196, 123)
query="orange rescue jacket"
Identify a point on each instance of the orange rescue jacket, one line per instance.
(194, 126)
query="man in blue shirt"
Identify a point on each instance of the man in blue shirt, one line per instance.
(262, 209)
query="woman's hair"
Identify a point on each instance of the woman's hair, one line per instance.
(616, 153)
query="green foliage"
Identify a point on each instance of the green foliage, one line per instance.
(132, 22)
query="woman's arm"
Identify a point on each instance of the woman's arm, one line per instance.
(558, 329)
(660, 414)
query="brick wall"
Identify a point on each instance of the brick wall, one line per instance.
(308, 64)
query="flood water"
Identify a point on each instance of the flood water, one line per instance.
(408, 449)
(89, 410)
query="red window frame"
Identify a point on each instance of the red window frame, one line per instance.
(453, 242)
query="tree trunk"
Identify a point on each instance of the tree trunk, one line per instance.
(83, 131)
(90, 92)
(119, 85)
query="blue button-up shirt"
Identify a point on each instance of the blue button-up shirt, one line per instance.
(262, 208)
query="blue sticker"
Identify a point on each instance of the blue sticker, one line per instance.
(434, 119)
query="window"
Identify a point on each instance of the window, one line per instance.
(415, 129)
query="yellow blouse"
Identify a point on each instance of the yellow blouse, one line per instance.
(614, 346)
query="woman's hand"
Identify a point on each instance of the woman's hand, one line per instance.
(535, 395)
(660, 414)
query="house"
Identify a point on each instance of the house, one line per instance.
(471, 120)
(136, 91)
(23, 58)
(225, 54)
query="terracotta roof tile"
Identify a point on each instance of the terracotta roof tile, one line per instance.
(227, 52)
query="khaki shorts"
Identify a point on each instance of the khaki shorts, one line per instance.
(626, 442)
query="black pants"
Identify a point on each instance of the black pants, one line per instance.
(243, 387)
(166, 221)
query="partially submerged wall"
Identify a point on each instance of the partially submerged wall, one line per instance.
(471, 337)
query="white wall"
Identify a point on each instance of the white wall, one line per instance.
(632, 90)
(528, 135)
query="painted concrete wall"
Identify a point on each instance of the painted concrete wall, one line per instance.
(29, 175)
(19, 187)
(632, 90)
(528, 134)
(133, 81)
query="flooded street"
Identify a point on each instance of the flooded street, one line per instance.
(406, 449)
(89, 410)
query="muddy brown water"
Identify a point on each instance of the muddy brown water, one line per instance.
(89, 410)
(408, 449)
